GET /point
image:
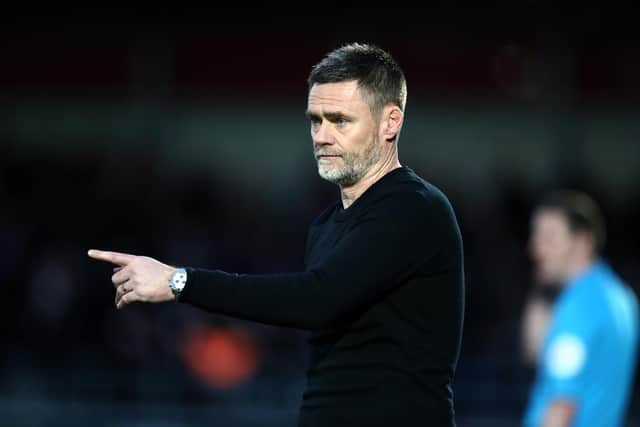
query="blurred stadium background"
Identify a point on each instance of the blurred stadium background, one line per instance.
(180, 135)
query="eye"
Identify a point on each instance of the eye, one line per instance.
(315, 122)
(341, 121)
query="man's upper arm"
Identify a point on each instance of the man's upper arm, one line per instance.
(570, 351)
(379, 253)
(376, 255)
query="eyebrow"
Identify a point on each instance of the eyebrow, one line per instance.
(311, 115)
(329, 115)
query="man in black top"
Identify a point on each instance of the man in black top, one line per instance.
(383, 285)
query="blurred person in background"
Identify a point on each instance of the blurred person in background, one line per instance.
(585, 342)
(383, 288)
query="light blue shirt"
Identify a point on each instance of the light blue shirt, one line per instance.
(589, 353)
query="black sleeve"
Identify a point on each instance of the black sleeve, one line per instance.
(375, 256)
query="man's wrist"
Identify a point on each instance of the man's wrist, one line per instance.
(177, 282)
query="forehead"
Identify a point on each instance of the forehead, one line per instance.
(550, 219)
(336, 96)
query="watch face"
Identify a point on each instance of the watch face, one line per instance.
(179, 279)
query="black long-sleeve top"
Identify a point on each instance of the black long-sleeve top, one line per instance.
(383, 294)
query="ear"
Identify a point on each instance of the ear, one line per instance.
(588, 242)
(391, 123)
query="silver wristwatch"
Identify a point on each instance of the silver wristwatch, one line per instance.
(177, 281)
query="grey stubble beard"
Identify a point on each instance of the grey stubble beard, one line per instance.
(355, 167)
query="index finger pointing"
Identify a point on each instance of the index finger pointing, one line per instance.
(112, 257)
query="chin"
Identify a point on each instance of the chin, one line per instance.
(325, 174)
(331, 175)
(541, 276)
(550, 279)
(328, 177)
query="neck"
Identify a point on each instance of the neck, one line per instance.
(579, 266)
(350, 194)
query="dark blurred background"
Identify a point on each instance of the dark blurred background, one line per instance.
(180, 134)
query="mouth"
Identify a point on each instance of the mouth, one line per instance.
(326, 156)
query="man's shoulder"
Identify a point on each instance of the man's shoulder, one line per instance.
(617, 293)
(600, 284)
(413, 191)
(582, 307)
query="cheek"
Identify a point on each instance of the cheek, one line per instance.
(560, 251)
(550, 250)
(358, 137)
(365, 145)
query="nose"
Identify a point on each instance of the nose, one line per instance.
(321, 134)
(535, 249)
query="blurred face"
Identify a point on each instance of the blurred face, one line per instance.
(344, 132)
(552, 246)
